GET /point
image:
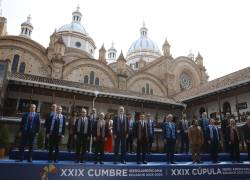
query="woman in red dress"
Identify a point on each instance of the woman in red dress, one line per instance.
(109, 143)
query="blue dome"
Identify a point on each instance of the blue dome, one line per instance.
(75, 27)
(144, 44)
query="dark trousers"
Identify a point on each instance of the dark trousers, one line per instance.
(205, 146)
(27, 139)
(120, 142)
(91, 144)
(225, 144)
(150, 142)
(235, 152)
(129, 144)
(184, 143)
(214, 149)
(81, 146)
(99, 149)
(248, 151)
(170, 149)
(71, 143)
(46, 143)
(142, 147)
(54, 141)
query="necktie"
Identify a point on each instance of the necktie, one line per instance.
(121, 119)
(82, 124)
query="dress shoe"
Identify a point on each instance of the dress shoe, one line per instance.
(55, 161)
(138, 162)
(172, 162)
(145, 162)
(115, 162)
(123, 162)
(96, 162)
(101, 162)
(30, 160)
(82, 161)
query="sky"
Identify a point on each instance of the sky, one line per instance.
(218, 29)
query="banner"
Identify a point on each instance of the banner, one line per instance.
(10, 170)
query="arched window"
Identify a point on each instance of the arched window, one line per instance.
(151, 91)
(22, 67)
(226, 108)
(97, 81)
(15, 63)
(202, 110)
(86, 79)
(147, 88)
(136, 65)
(143, 90)
(92, 77)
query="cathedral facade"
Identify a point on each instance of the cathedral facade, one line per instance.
(66, 72)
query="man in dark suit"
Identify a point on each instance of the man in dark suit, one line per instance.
(183, 129)
(82, 133)
(203, 123)
(151, 132)
(170, 138)
(29, 128)
(100, 133)
(142, 137)
(224, 125)
(247, 136)
(130, 138)
(213, 139)
(93, 118)
(48, 118)
(120, 132)
(55, 129)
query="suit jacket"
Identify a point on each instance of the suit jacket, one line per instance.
(228, 137)
(203, 123)
(209, 134)
(131, 130)
(106, 131)
(224, 124)
(56, 126)
(144, 131)
(151, 124)
(92, 122)
(167, 131)
(82, 129)
(181, 128)
(35, 124)
(122, 131)
(246, 132)
(47, 120)
(195, 135)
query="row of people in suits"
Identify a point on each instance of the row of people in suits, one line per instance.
(204, 134)
(84, 129)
